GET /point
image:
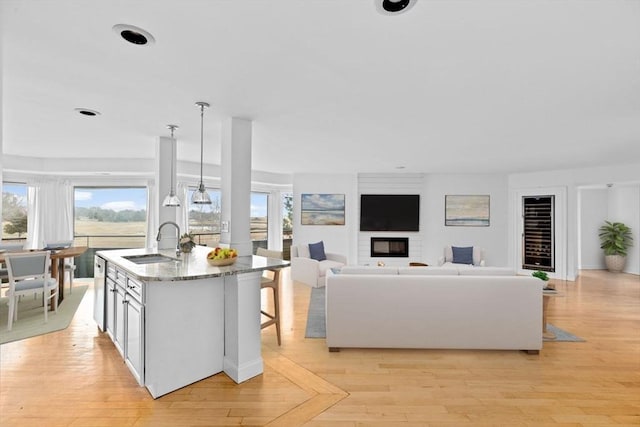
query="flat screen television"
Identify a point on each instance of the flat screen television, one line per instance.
(389, 212)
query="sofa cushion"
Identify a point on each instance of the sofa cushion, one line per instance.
(368, 269)
(316, 251)
(327, 264)
(428, 271)
(303, 251)
(462, 255)
(487, 271)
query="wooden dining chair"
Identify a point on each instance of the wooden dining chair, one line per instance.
(29, 275)
(271, 280)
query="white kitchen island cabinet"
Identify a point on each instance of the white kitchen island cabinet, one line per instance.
(181, 320)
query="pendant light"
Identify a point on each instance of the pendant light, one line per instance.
(200, 196)
(172, 200)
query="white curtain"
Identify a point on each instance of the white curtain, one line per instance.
(50, 212)
(152, 215)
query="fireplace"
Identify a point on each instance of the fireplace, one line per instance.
(390, 247)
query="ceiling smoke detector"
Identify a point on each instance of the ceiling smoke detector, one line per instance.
(394, 7)
(134, 35)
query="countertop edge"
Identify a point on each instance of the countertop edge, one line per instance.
(191, 266)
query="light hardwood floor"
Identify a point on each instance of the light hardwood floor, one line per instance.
(75, 377)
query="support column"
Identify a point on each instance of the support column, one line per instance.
(236, 185)
(242, 344)
(165, 154)
(242, 352)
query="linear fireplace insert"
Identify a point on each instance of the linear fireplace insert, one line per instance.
(390, 247)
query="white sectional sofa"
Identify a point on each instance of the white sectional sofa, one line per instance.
(433, 307)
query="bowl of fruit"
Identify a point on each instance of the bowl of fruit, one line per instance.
(222, 256)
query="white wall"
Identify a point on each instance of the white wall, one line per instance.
(572, 179)
(592, 207)
(337, 238)
(624, 206)
(433, 235)
(493, 239)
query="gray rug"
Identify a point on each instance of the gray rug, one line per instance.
(317, 328)
(31, 317)
(561, 335)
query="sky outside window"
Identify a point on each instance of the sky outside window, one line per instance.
(117, 199)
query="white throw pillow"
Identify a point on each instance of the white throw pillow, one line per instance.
(303, 251)
(477, 255)
(448, 254)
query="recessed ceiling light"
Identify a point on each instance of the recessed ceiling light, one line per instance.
(394, 7)
(87, 112)
(134, 35)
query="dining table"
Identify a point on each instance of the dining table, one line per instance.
(57, 264)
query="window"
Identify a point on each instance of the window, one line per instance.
(14, 211)
(287, 224)
(287, 216)
(259, 217)
(110, 217)
(204, 220)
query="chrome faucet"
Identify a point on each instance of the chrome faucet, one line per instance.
(159, 236)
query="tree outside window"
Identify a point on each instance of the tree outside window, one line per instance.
(287, 216)
(14, 211)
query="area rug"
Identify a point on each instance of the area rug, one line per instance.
(31, 317)
(317, 328)
(316, 325)
(561, 335)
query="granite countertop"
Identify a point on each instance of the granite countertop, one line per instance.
(185, 266)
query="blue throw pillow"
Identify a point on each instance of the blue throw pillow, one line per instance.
(462, 255)
(316, 251)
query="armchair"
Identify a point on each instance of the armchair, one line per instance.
(309, 271)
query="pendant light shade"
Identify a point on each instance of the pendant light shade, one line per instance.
(200, 196)
(172, 200)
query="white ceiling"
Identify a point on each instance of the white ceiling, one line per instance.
(331, 85)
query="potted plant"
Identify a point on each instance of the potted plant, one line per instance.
(545, 278)
(187, 242)
(615, 239)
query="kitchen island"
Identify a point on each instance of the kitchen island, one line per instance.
(176, 319)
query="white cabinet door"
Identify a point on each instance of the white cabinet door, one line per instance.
(110, 306)
(134, 333)
(119, 327)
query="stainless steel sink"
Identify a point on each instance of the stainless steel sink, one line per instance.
(149, 259)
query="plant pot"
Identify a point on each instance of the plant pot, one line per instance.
(548, 286)
(615, 263)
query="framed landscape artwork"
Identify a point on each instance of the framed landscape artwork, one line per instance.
(322, 209)
(466, 210)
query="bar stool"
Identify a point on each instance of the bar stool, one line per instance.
(272, 283)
